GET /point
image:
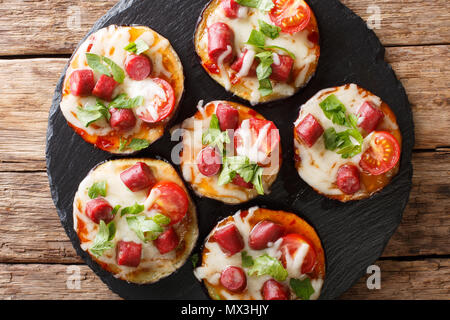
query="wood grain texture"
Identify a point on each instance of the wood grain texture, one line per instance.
(55, 27)
(30, 230)
(428, 279)
(424, 72)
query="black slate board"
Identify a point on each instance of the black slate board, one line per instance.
(353, 234)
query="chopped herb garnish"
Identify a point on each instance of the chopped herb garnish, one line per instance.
(103, 239)
(134, 209)
(302, 288)
(266, 264)
(269, 30)
(214, 137)
(137, 47)
(249, 171)
(138, 144)
(122, 101)
(90, 114)
(97, 189)
(111, 68)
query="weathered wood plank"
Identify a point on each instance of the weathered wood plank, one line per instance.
(423, 71)
(407, 280)
(428, 279)
(55, 27)
(30, 230)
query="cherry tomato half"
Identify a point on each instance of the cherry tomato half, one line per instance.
(382, 155)
(290, 15)
(267, 144)
(291, 243)
(171, 200)
(162, 108)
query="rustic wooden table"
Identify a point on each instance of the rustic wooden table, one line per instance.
(38, 36)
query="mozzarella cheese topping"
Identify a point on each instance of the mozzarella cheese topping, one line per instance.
(319, 166)
(118, 194)
(192, 131)
(215, 261)
(110, 42)
(247, 20)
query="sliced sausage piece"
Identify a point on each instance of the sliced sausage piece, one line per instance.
(122, 119)
(99, 209)
(239, 181)
(233, 279)
(167, 241)
(138, 177)
(220, 36)
(273, 290)
(263, 233)
(309, 130)
(348, 179)
(229, 239)
(228, 116)
(104, 87)
(138, 67)
(128, 253)
(237, 65)
(81, 82)
(230, 7)
(369, 116)
(209, 161)
(282, 71)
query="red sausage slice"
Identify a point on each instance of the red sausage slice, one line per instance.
(290, 245)
(309, 130)
(369, 116)
(138, 177)
(128, 253)
(209, 161)
(229, 239)
(122, 119)
(171, 199)
(263, 233)
(237, 65)
(138, 67)
(282, 71)
(167, 241)
(220, 36)
(233, 279)
(230, 7)
(228, 116)
(81, 82)
(273, 290)
(348, 179)
(239, 181)
(99, 209)
(104, 87)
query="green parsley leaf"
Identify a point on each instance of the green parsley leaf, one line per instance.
(257, 38)
(116, 209)
(122, 101)
(103, 239)
(334, 110)
(263, 5)
(97, 189)
(266, 264)
(90, 114)
(161, 219)
(137, 47)
(269, 30)
(214, 137)
(265, 87)
(117, 72)
(134, 209)
(241, 165)
(195, 259)
(145, 228)
(330, 138)
(257, 180)
(122, 144)
(95, 62)
(138, 144)
(247, 260)
(264, 69)
(282, 49)
(302, 288)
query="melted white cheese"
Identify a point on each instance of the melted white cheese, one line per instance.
(214, 261)
(109, 42)
(250, 146)
(319, 166)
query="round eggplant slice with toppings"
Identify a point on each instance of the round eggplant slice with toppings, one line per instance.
(288, 264)
(258, 54)
(230, 152)
(347, 143)
(122, 87)
(127, 219)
